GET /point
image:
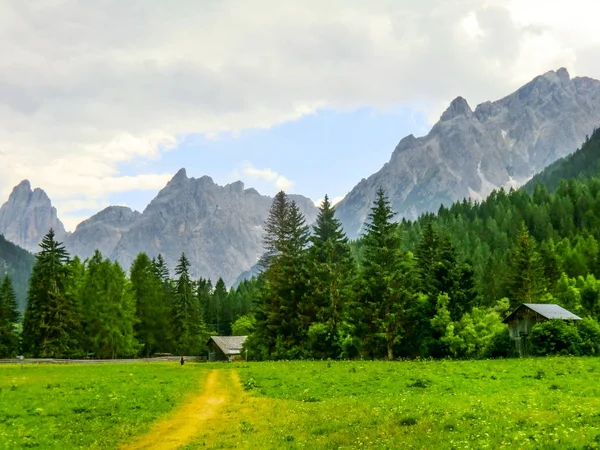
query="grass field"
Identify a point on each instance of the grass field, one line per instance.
(529, 403)
(88, 406)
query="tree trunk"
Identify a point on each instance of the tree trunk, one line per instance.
(390, 349)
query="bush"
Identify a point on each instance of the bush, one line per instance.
(555, 337)
(589, 331)
(501, 345)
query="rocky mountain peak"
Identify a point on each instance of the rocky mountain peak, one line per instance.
(458, 107)
(27, 216)
(503, 144)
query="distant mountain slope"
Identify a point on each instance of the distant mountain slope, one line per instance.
(469, 153)
(582, 164)
(18, 264)
(27, 216)
(102, 231)
(218, 227)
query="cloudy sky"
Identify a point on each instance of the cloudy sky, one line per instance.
(101, 102)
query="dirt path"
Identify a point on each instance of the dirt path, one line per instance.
(188, 420)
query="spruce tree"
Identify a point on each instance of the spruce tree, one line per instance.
(51, 325)
(222, 308)
(330, 270)
(525, 282)
(9, 315)
(108, 310)
(153, 328)
(204, 293)
(381, 308)
(189, 331)
(279, 326)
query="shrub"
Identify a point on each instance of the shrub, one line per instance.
(589, 331)
(555, 337)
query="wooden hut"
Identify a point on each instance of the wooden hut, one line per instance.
(522, 319)
(225, 348)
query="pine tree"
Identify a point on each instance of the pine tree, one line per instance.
(204, 293)
(330, 269)
(188, 327)
(9, 315)
(51, 325)
(108, 310)
(279, 332)
(381, 309)
(222, 308)
(153, 328)
(525, 282)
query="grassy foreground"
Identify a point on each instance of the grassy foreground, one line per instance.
(529, 403)
(88, 406)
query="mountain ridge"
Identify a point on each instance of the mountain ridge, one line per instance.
(468, 153)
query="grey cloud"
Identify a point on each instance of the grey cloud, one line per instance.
(76, 74)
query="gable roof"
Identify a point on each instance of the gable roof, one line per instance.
(546, 310)
(230, 345)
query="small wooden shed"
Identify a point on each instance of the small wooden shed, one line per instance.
(225, 348)
(522, 319)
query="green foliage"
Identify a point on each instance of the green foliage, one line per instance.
(9, 315)
(331, 271)
(379, 312)
(153, 313)
(51, 324)
(243, 326)
(280, 331)
(18, 264)
(189, 329)
(555, 337)
(108, 310)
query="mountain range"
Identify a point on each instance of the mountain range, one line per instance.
(467, 153)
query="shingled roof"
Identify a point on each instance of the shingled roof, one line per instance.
(229, 345)
(547, 310)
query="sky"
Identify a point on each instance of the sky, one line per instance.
(102, 102)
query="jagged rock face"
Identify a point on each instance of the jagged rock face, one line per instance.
(220, 228)
(27, 216)
(469, 153)
(102, 231)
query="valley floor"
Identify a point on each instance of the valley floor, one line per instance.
(526, 403)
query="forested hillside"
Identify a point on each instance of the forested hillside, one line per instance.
(441, 285)
(17, 263)
(582, 164)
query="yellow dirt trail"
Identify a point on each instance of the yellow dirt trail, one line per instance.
(189, 419)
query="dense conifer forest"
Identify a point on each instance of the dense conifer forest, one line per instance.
(436, 287)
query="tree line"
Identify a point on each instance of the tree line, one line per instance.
(92, 308)
(438, 286)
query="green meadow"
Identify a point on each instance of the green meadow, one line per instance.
(527, 403)
(88, 405)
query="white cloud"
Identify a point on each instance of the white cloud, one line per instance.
(279, 181)
(87, 86)
(334, 201)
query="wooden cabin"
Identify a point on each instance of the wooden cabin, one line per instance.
(225, 348)
(522, 319)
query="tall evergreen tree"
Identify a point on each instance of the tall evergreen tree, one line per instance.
(204, 291)
(153, 328)
(9, 315)
(381, 309)
(525, 282)
(188, 326)
(108, 310)
(51, 324)
(279, 332)
(330, 269)
(221, 308)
